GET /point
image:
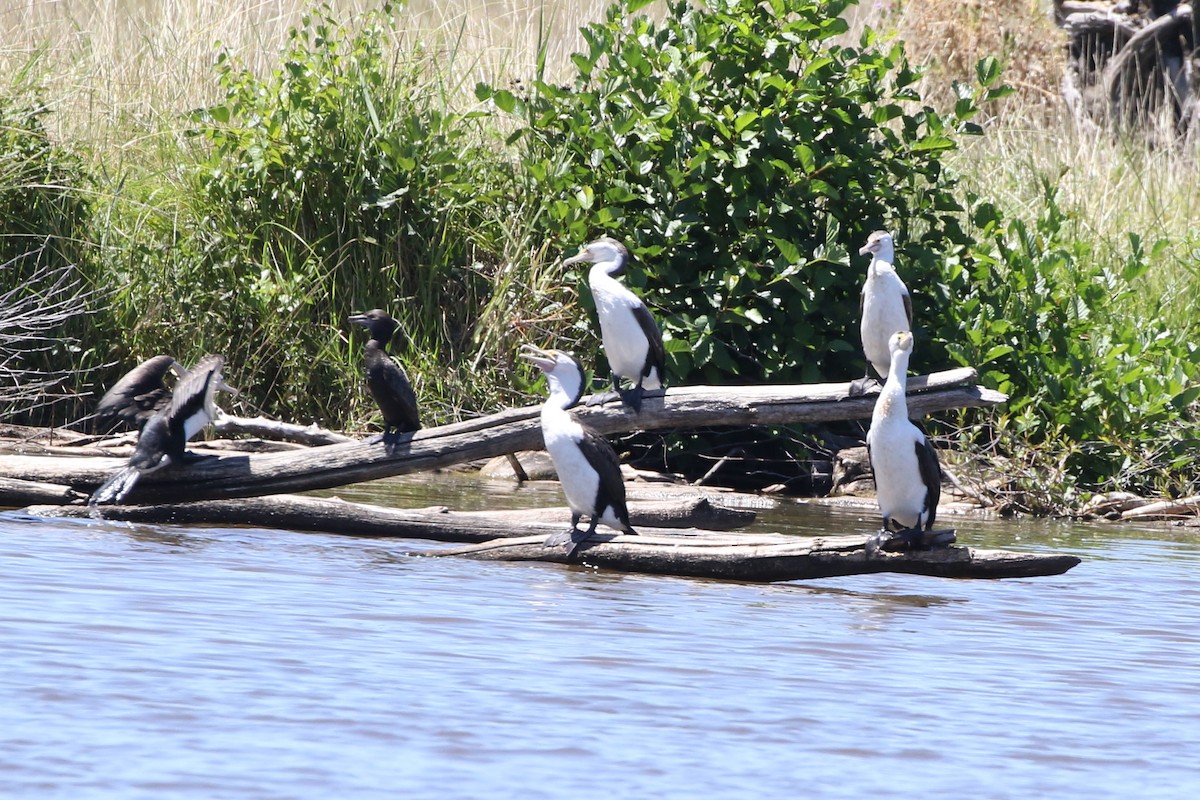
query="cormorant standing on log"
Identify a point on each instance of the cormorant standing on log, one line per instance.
(884, 308)
(137, 396)
(908, 479)
(632, 341)
(164, 437)
(386, 379)
(587, 465)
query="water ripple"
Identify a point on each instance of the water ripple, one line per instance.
(146, 662)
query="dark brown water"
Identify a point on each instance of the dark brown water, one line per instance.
(171, 662)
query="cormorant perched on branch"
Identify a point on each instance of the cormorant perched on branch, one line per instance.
(908, 479)
(163, 439)
(884, 308)
(587, 465)
(632, 341)
(386, 379)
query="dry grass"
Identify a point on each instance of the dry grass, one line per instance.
(116, 66)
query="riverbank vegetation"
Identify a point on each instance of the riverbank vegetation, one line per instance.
(245, 197)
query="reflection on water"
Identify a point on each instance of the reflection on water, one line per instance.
(167, 661)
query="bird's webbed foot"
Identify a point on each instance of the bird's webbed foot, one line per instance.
(863, 386)
(570, 538)
(632, 398)
(602, 398)
(189, 457)
(914, 539)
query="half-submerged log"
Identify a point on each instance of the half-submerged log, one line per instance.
(438, 523)
(498, 434)
(521, 536)
(768, 557)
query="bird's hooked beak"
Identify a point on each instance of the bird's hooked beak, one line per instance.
(542, 359)
(869, 247)
(584, 255)
(359, 319)
(225, 387)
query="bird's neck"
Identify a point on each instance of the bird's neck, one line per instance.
(563, 395)
(603, 271)
(377, 346)
(893, 400)
(882, 262)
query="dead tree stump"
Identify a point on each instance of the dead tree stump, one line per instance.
(1131, 64)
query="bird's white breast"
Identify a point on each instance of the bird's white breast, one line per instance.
(883, 314)
(580, 481)
(898, 484)
(625, 344)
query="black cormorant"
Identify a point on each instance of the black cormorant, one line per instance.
(386, 379)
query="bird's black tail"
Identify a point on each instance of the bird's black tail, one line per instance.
(115, 488)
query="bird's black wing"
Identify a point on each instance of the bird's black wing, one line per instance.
(931, 476)
(603, 458)
(395, 396)
(657, 355)
(907, 298)
(190, 391)
(136, 396)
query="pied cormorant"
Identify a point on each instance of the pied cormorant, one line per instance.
(884, 308)
(908, 479)
(587, 465)
(386, 379)
(164, 437)
(632, 342)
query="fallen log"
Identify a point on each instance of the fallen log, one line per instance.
(15, 492)
(521, 536)
(437, 523)
(767, 557)
(497, 434)
(310, 435)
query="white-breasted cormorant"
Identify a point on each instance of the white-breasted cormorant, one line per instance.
(163, 439)
(386, 379)
(884, 308)
(908, 479)
(137, 396)
(587, 465)
(632, 341)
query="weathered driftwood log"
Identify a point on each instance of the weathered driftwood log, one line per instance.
(520, 536)
(439, 524)
(310, 435)
(15, 492)
(1183, 508)
(768, 557)
(498, 434)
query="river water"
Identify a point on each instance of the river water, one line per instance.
(148, 661)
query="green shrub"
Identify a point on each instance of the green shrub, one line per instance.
(338, 182)
(743, 153)
(1040, 312)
